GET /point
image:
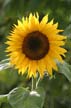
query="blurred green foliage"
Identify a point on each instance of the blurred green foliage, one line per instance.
(58, 88)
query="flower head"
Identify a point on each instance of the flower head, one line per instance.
(34, 45)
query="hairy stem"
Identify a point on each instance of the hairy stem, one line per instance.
(37, 82)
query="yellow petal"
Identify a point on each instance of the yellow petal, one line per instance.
(44, 20)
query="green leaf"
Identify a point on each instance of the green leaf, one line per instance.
(17, 96)
(22, 98)
(65, 69)
(35, 99)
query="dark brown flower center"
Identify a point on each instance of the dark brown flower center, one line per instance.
(35, 45)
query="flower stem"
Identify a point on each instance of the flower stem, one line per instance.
(37, 82)
(32, 83)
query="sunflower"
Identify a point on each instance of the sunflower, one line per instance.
(34, 45)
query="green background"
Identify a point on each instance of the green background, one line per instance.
(57, 88)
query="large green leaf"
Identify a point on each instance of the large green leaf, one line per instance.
(17, 96)
(35, 99)
(23, 98)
